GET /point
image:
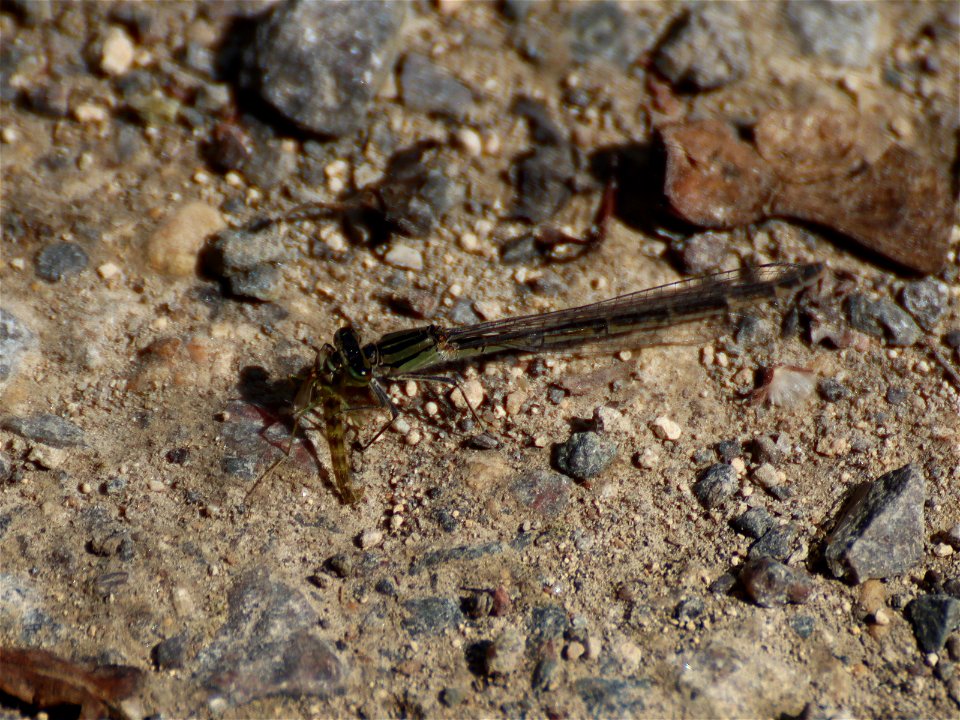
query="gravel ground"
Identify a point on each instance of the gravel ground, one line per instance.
(729, 521)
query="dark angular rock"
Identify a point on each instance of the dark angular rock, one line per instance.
(445, 555)
(927, 300)
(546, 492)
(584, 455)
(15, 340)
(268, 646)
(320, 64)
(754, 523)
(431, 616)
(777, 543)
(843, 33)
(770, 583)
(171, 653)
(706, 49)
(418, 189)
(728, 450)
(803, 625)
(933, 618)
(689, 609)
(880, 532)
(832, 390)
(47, 429)
(543, 180)
(426, 87)
(715, 485)
(952, 339)
(60, 260)
(883, 319)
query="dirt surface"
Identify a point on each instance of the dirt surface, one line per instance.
(467, 581)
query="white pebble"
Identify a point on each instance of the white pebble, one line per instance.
(666, 429)
(117, 54)
(108, 270)
(470, 140)
(431, 408)
(469, 394)
(370, 538)
(404, 257)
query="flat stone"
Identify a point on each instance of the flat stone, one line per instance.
(706, 49)
(431, 615)
(844, 33)
(777, 543)
(426, 87)
(268, 646)
(927, 300)
(754, 523)
(880, 532)
(546, 492)
(321, 64)
(60, 260)
(883, 319)
(47, 429)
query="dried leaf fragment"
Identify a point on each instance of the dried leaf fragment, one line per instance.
(45, 680)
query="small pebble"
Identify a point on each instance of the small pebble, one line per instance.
(108, 271)
(405, 257)
(117, 55)
(505, 653)
(584, 455)
(665, 428)
(574, 651)
(469, 393)
(715, 485)
(174, 247)
(60, 260)
(369, 539)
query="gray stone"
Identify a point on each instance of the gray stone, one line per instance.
(47, 429)
(268, 646)
(705, 252)
(754, 523)
(419, 189)
(777, 543)
(715, 485)
(431, 616)
(612, 697)
(883, 319)
(600, 29)
(832, 390)
(707, 49)
(60, 260)
(880, 532)
(248, 262)
(770, 583)
(844, 33)
(584, 455)
(15, 340)
(542, 182)
(505, 653)
(428, 88)
(933, 618)
(927, 300)
(321, 63)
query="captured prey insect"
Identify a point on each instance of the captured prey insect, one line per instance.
(350, 369)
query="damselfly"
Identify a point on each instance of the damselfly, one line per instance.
(349, 371)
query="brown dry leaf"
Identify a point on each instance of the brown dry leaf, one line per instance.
(45, 680)
(809, 165)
